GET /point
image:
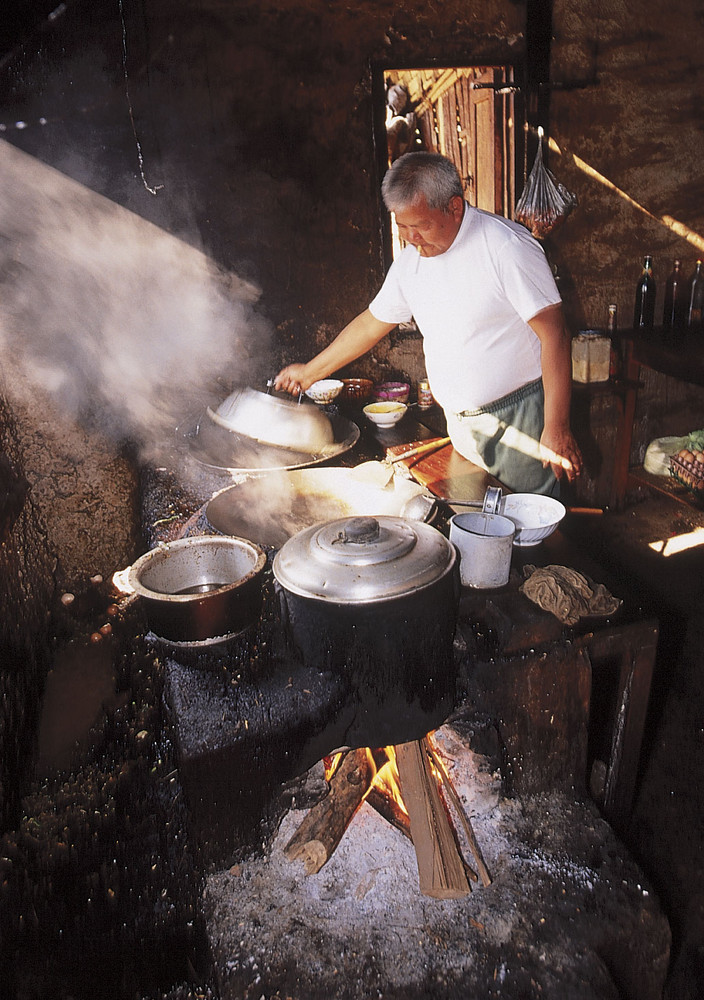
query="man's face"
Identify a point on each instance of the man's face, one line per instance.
(430, 230)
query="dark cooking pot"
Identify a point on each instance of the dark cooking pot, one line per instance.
(200, 588)
(375, 599)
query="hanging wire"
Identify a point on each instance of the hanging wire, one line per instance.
(140, 156)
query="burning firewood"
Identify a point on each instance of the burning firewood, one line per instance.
(321, 831)
(464, 819)
(441, 867)
(389, 810)
(417, 809)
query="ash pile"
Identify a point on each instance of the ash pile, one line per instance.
(566, 913)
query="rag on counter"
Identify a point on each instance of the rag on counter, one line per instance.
(567, 594)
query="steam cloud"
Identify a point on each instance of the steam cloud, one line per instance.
(119, 321)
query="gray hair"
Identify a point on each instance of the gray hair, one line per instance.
(421, 175)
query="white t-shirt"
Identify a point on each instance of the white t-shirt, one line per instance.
(472, 304)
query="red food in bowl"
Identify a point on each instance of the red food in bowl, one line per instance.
(396, 391)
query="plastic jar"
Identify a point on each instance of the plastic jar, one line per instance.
(591, 356)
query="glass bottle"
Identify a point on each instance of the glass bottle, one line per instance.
(675, 308)
(612, 328)
(696, 299)
(644, 312)
(612, 322)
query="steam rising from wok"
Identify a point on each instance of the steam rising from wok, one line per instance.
(123, 325)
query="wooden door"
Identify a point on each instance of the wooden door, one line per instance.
(468, 115)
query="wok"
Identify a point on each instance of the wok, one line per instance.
(271, 509)
(216, 447)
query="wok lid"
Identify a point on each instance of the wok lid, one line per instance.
(273, 420)
(215, 447)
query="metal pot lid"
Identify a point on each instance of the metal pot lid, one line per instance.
(361, 560)
(221, 450)
(278, 422)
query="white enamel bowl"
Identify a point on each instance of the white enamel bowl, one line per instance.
(385, 413)
(325, 390)
(535, 516)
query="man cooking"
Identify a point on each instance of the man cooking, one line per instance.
(498, 355)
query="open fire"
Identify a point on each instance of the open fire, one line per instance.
(410, 787)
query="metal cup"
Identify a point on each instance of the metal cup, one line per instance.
(484, 542)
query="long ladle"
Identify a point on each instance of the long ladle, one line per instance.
(420, 506)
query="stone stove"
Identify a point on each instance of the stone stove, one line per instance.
(568, 913)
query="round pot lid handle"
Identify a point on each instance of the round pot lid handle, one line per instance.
(360, 531)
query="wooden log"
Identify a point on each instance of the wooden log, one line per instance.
(321, 831)
(459, 808)
(441, 868)
(389, 809)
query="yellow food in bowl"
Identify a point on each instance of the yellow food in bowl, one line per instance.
(387, 406)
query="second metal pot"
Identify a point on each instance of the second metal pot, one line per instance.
(200, 588)
(375, 600)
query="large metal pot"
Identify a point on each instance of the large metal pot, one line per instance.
(375, 599)
(201, 588)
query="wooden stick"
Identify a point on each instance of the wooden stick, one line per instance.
(441, 867)
(322, 829)
(464, 818)
(389, 809)
(420, 449)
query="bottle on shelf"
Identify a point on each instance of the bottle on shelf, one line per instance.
(695, 310)
(615, 366)
(612, 321)
(675, 308)
(644, 311)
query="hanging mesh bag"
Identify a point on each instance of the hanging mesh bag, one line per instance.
(544, 203)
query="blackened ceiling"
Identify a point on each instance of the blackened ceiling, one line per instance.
(21, 19)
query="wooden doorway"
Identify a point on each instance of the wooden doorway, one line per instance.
(468, 114)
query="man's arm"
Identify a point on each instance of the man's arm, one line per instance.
(356, 339)
(558, 445)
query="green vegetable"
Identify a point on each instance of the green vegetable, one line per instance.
(695, 441)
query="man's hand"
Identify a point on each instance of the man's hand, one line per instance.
(294, 379)
(561, 452)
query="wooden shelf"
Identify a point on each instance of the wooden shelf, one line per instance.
(666, 485)
(612, 385)
(683, 360)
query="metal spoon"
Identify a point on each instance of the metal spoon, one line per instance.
(420, 506)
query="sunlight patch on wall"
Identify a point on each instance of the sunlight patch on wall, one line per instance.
(679, 228)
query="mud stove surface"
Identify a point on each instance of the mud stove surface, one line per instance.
(567, 912)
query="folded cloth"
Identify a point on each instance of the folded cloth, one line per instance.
(567, 594)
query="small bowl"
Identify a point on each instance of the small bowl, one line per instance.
(356, 390)
(396, 391)
(534, 515)
(325, 390)
(384, 413)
